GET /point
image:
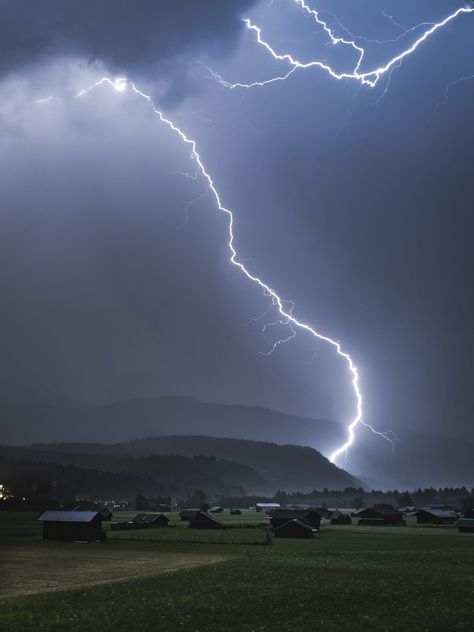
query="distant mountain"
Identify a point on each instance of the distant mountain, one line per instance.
(419, 460)
(259, 467)
(28, 421)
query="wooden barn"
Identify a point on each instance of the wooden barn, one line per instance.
(380, 517)
(308, 516)
(70, 526)
(141, 521)
(436, 516)
(203, 520)
(188, 514)
(340, 518)
(295, 529)
(150, 520)
(465, 525)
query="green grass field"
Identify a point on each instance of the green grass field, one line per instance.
(347, 578)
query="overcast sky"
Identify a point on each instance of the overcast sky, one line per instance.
(354, 204)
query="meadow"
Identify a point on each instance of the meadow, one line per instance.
(347, 578)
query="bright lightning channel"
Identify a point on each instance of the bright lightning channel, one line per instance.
(365, 78)
(369, 78)
(284, 307)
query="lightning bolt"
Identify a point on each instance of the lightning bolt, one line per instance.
(365, 78)
(284, 307)
(369, 78)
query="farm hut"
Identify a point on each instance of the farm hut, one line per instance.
(436, 516)
(308, 516)
(323, 512)
(72, 525)
(188, 514)
(203, 520)
(465, 525)
(151, 520)
(340, 518)
(381, 516)
(295, 529)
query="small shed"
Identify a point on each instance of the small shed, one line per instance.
(203, 520)
(380, 516)
(339, 518)
(308, 516)
(150, 520)
(465, 525)
(436, 516)
(295, 529)
(188, 514)
(70, 526)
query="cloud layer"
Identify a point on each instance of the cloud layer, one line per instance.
(143, 36)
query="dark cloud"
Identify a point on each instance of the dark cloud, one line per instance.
(143, 36)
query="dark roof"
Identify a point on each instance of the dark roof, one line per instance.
(439, 513)
(203, 517)
(293, 513)
(148, 518)
(383, 511)
(296, 523)
(69, 516)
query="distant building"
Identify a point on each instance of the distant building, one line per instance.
(380, 516)
(141, 521)
(267, 506)
(203, 520)
(295, 529)
(188, 514)
(339, 518)
(465, 525)
(280, 517)
(436, 516)
(235, 512)
(84, 526)
(216, 509)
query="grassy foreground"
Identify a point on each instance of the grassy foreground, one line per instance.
(348, 578)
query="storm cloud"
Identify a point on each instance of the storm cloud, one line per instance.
(145, 37)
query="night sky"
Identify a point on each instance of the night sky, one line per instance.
(354, 204)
